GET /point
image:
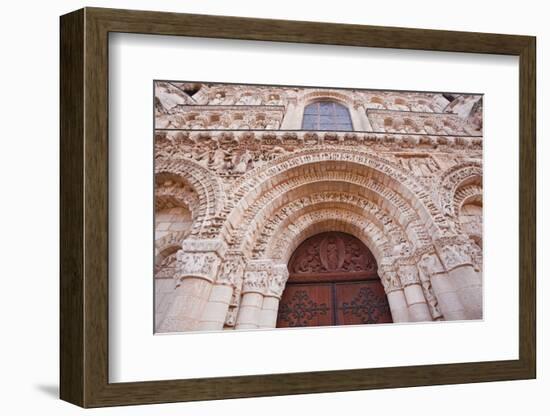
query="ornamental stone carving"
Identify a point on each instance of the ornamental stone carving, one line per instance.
(250, 186)
(390, 280)
(405, 121)
(430, 264)
(277, 280)
(408, 275)
(201, 265)
(431, 299)
(455, 255)
(257, 276)
(231, 271)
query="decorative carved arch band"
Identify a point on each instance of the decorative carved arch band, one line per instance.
(291, 213)
(282, 245)
(455, 186)
(390, 178)
(209, 191)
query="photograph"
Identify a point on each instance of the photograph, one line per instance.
(301, 206)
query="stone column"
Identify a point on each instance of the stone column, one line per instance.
(275, 288)
(437, 279)
(414, 294)
(359, 117)
(229, 278)
(165, 288)
(460, 268)
(292, 119)
(256, 278)
(395, 294)
(196, 271)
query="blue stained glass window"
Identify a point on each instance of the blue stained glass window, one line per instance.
(326, 115)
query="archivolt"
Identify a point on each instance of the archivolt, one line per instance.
(330, 95)
(282, 245)
(259, 236)
(453, 181)
(209, 191)
(387, 176)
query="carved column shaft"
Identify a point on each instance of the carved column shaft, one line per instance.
(359, 118)
(197, 266)
(276, 285)
(469, 290)
(250, 310)
(255, 283)
(395, 294)
(292, 119)
(188, 303)
(416, 301)
(465, 279)
(448, 300)
(216, 308)
(268, 314)
(229, 278)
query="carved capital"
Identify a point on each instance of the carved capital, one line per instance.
(408, 275)
(203, 265)
(231, 271)
(430, 264)
(277, 281)
(257, 276)
(455, 255)
(390, 280)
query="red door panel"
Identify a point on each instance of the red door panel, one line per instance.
(361, 303)
(306, 305)
(333, 281)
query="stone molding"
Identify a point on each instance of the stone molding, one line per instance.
(396, 121)
(211, 117)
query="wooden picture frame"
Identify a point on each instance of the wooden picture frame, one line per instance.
(84, 207)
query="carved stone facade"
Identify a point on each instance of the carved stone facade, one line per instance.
(245, 174)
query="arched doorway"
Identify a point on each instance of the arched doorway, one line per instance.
(332, 280)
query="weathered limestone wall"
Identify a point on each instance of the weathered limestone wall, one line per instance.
(239, 186)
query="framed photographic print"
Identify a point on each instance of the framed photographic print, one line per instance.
(254, 207)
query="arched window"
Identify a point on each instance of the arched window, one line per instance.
(326, 115)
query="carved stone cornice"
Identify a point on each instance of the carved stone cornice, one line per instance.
(211, 117)
(396, 121)
(204, 245)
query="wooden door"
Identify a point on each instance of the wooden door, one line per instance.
(333, 281)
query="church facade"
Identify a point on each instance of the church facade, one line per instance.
(285, 206)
